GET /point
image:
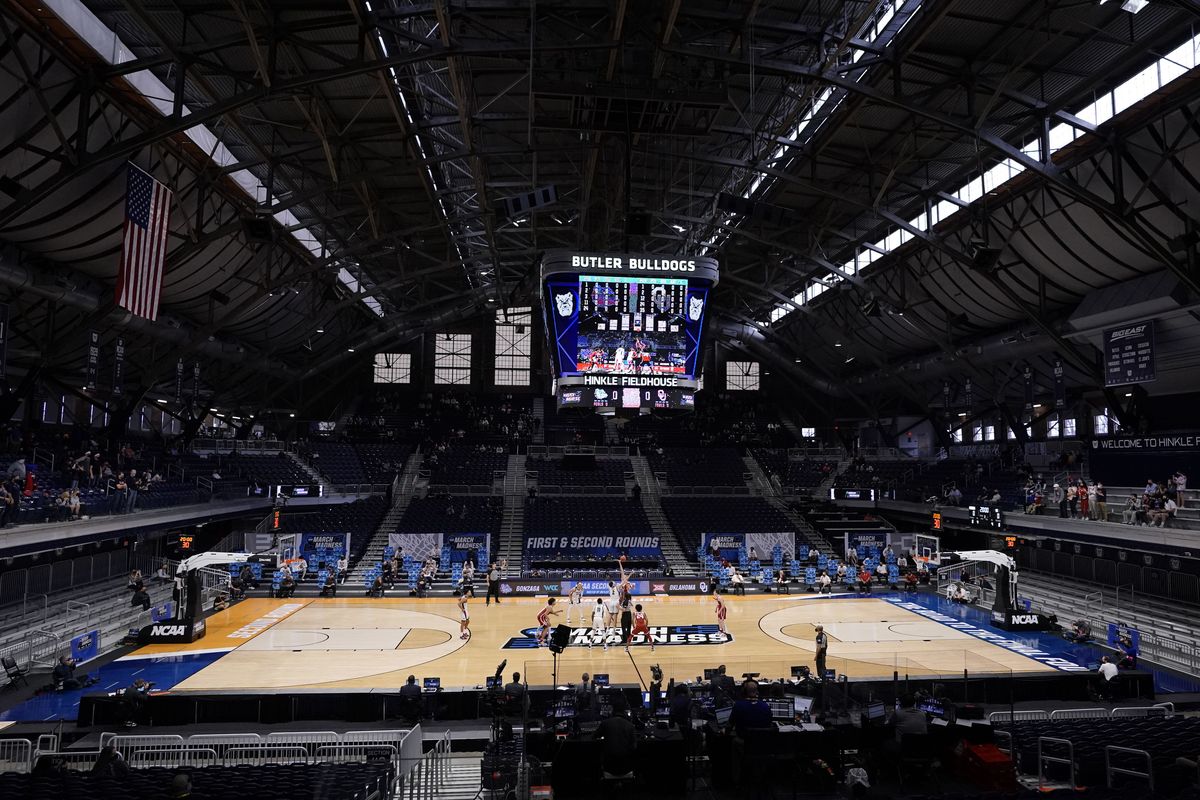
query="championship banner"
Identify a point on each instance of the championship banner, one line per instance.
(417, 545)
(3, 340)
(118, 384)
(85, 646)
(196, 381)
(93, 359)
(1060, 388)
(968, 394)
(599, 546)
(179, 382)
(946, 395)
(1027, 374)
(727, 544)
(1129, 354)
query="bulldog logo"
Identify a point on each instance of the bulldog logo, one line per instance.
(565, 303)
(695, 306)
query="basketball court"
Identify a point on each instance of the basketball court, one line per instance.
(366, 643)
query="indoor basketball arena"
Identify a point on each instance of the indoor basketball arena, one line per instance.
(535, 399)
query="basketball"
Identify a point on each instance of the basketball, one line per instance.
(621, 559)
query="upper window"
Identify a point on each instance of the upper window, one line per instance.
(452, 359)
(514, 338)
(393, 368)
(742, 376)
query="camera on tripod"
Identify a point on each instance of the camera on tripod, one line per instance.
(656, 673)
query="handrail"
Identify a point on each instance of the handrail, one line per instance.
(1110, 770)
(429, 774)
(1044, 759)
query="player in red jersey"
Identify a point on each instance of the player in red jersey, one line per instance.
(721, 610)
(464, 618)
(543, 619)
(640, 625)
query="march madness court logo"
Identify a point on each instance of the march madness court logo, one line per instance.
(661, 635)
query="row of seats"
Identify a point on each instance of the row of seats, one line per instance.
(690, 517)
(603, 472)
(359, 519)
(270, 782)
(696, 466)
(468, 464)
(582, 515)
(452, 515)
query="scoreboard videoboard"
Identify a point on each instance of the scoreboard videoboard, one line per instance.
(626, 331)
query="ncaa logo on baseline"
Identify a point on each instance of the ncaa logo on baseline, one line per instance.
(660, 635)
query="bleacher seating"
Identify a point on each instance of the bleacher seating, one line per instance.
(573, 426)
(266, 470)
(604, 472)
(692, 516)
(466, 464)
(382, 462)
(354, 781)
(337, 461)
(695, 466)
(567, 515)
(359, 519)
(452, 515)
(1164, 738)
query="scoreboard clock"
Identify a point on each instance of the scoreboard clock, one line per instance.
(985, 517)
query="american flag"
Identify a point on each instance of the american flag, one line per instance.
(147, 216)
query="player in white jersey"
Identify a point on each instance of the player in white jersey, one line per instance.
(600, 621)
(575, 602)
(610, 604)
(464, 621)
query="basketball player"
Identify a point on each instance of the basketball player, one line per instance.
(543, 619)
(610, 605)
(464, 618)
(600, 621)
(625, 601)
(721, 610)
(575, 601)
(640, 625)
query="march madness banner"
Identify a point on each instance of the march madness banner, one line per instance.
(728, 544)
(463, 545)
(599, 546)
(324, 541)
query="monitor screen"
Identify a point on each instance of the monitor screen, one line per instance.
(631, 325)
(875, 711)
(723, 715)
(781, 709)
(600, 679)
(709, 674)
(433, 683)
(494, 683)
(933, 707)
(802, 705)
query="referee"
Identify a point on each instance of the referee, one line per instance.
(822, 649)
(493, 579)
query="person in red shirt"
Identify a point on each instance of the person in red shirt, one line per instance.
(864, 581)
(640, 625)
(721, 610)
(543, 619)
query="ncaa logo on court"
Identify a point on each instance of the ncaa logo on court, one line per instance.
(660, 635)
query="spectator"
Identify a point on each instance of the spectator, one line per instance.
(17, 471)
(135, 580)
(1101, 502)
(140, 598)
(619, 740)
(750, 712)
(1060, 500)
(909, 719)
(63, 676)
(410, 688)
(161, 575)
(1180, 481)
(723, 686)
(110, 764)
(1129, 514)
(8, 507)
(1107, 672)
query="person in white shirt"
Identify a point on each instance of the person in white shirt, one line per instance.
(575, 601)
(343, 569)
(737, 582)
(1180, 481)
(824, 583)
(1107, 671)
(600, 621)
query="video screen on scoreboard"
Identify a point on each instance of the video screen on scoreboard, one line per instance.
(625, 325)
(630, 325)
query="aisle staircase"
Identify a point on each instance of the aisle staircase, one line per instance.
(612, 432)
(379, 540)
(316, 476)
(806, 535)
(512, 524)
(539, 415)
(463, 781)
(759, 482)
(677, 557)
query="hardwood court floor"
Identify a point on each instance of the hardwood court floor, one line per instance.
(359, 643)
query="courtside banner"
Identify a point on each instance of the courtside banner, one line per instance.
(679, 586)
(86, 646)
(530, 588)
(595, 588)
